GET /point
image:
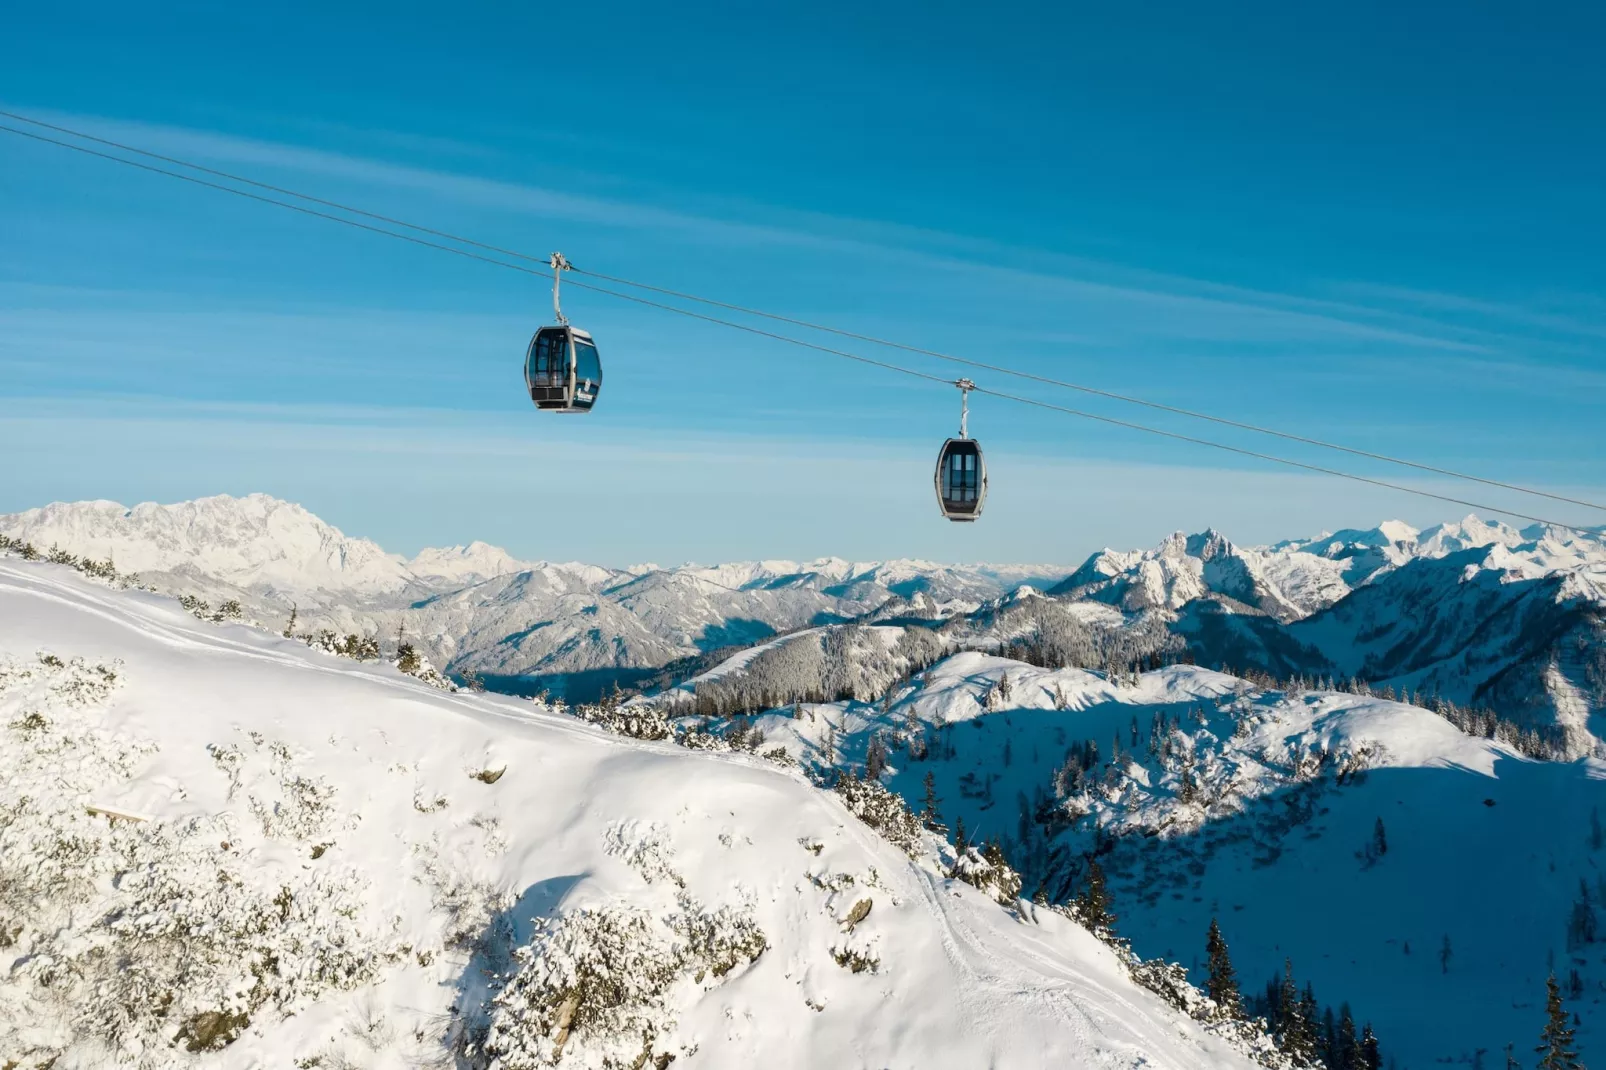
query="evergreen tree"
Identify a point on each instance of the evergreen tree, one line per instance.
(1371, 1056)
(875, 758)
(290, 629)
(1095, 902)
(960, 842)
(1308, 1008)
(1556, 1042)
(1444, 955)
(1327, 1049)
(830, 745)
(1347, 1051)
(1222, 985)
(1380, 840)
(1187, 791)
(1296, 1032)
(929, 814)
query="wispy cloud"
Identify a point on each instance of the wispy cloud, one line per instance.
(1178, 306)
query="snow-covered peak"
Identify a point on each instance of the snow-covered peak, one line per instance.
(252, 542)
(466, 564)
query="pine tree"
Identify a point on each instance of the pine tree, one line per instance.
(1556, 1042)
(875, 758)
(960, 842)
(1380, 840)
(1222, 985)
(1187, 790)
(929, 814)
(1308, 1008)
(1347, 1050)
(1295, 1031)
(290, 629)
(830, 745)
(1371, 1056)
(1095, 902)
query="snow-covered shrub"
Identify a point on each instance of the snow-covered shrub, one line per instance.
(100, 570)
(470, 906)
(134, 936)
(413, 662)
(644, 847)
(638, 720)
(599, 983)
(357, 647)
(988, 870)
(882, 810)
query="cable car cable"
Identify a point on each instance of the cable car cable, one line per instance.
(815, 346)
(776, 317)
(476, 256)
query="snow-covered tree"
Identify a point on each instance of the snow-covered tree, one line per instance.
(1094, 902)
(1556, 1050)
(1222, 985)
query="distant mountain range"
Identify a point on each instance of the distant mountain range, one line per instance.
(1478, 613)
(555, 625)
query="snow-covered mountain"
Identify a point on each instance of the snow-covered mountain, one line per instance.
(221, 848)
(478, 608)
(1203, 796)
(1478, 613)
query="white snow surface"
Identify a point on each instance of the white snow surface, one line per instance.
(339, 800)
(1487, 850)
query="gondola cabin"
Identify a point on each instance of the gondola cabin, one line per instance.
(562, 370)
(961, 479)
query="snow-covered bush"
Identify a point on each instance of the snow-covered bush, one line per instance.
(638, 720)
(414, 662)
(600, 983)
(100, 570)
(357, 647)
(882, 810)
(132, 935)
(988, 870)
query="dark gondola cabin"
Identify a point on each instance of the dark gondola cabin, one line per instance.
(961, 479)
(562, 370)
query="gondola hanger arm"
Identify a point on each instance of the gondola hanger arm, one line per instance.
(965, 387)
(559, 264)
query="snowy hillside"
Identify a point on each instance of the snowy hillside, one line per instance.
(221, 848)
(1204, 797)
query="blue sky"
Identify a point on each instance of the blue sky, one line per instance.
(1381, 225)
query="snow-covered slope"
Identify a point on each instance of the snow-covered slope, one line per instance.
(221, 848)
(1204, 797)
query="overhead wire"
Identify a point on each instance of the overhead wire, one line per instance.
(797, 322)
(748, 328)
